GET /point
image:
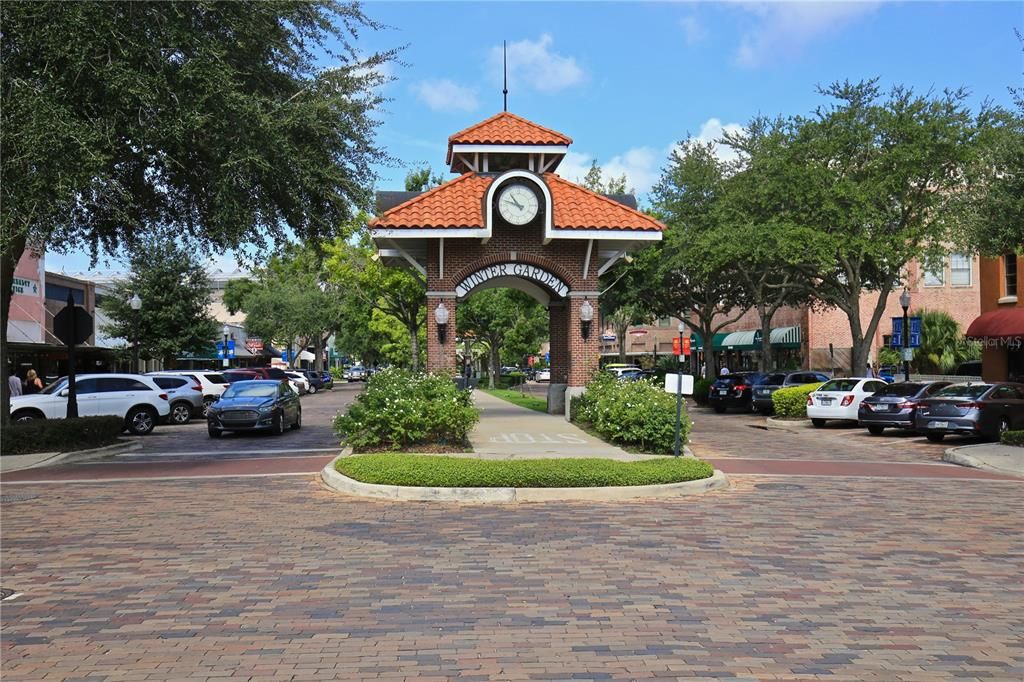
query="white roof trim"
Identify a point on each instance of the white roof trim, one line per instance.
(511, 148)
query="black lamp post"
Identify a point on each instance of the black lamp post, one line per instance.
(905, 302)
(441, 318)
(136, 305)
(586, 318)
(227, 334)
(679, 392)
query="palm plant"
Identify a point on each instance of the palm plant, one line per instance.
(942, 344)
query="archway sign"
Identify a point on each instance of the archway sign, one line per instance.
(508, 219)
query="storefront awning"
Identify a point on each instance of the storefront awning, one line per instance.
(781, 337)
(998, 324)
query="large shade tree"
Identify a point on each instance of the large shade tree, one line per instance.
(214, 122)
(498, 317)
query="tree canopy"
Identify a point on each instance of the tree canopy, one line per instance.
(499, 317)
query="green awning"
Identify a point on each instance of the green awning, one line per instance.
(781, 337)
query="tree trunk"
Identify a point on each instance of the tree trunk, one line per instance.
(493, 362)
(862, 337)
(8, 262)
(414, 345)
(764, 361)
(707, 335)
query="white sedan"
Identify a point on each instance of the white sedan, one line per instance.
(543, 375)
(135, 398)
(300, 384)
(840, 399)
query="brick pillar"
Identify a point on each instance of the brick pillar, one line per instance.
(583, 353)
(558, 328)
(441, 357)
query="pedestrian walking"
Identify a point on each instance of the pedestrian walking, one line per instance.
(33, 384)
(14, 381)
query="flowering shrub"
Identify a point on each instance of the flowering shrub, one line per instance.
(399, 409)
(633, 413)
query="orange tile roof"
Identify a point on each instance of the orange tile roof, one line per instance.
(577, 208)
(455, 204)
(459, 204)
(506, 128)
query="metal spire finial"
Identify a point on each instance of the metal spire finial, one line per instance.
(504, 65)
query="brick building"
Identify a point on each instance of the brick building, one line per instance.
(1000, 326)
(509, 220)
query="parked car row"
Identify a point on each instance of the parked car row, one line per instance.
(931, 408)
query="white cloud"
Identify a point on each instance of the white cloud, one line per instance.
(692, 29)
(783, 29)
(445, 95)
(642, 165)
(532, 64)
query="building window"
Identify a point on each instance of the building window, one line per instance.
(1010, 274)
(935, 277)
(664, 321)
(59, 292)
(960, 269)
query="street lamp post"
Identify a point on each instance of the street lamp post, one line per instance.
(679, 391)
(905, 302)
(227, 333)
(136, 305)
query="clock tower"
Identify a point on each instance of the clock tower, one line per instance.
(509, 220)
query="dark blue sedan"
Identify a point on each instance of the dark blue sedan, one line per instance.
(255, 406)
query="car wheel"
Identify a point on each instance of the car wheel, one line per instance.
(876, 430)
(141, 420)
(27, 416)
(818, 423)
(214, 432)
(277, 425)
(298, 421)
(719, 409)
(312, 389)
(181, 413)
(935, 437)
(206, 406)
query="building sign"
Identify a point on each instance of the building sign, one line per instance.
(25, 287)
(521, 270)
(254, 346)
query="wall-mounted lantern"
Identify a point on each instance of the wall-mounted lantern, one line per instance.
(441, 317)
(586, 317)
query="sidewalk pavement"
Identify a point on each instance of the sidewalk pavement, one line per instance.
(507, 431)
(1005, 459)
(9, 463)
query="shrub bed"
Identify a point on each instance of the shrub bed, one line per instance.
(630, 413)
(700, 391)
(791, 403)
(467, 472)
(399, 410)
(520, 399)
(60, 435)
(1012, 438)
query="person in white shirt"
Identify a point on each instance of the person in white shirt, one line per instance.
(15, 383)
(722, 372)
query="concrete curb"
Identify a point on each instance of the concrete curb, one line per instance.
(47, 459)
(786, 424)
(343, 484)
(958, 456)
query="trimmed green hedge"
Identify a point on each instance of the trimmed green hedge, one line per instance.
(700, 391)
(1012, 438)
(400, 409)
(792, 401)
(630, 413)
(60, 435)
(510, 380)
(467, 472)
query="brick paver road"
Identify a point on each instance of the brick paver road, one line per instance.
(277, 579)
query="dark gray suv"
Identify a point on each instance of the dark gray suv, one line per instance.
(763, 392)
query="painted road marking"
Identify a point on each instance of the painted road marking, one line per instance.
(560, 438)
(139, 453)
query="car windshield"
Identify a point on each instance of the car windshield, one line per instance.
(251, 390)
(839, 385)
(963, 391)
(775, 379)
(735, 379)
(901, 390)
(56, 387)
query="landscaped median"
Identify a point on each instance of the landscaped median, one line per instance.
(519, 398)
(468, 479)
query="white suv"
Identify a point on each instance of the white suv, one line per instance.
(213, 383)
(134, 397)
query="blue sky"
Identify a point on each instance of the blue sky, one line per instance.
(628, 80)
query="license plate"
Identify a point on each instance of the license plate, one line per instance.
(826, 401)
(723, 392)
(937, 425)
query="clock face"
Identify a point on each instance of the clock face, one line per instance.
(518, 204)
